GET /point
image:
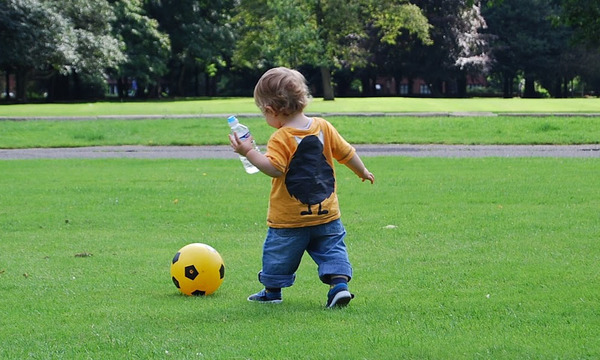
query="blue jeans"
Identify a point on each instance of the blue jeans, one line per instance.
(283, 250)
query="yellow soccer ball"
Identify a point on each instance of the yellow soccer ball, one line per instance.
(197, 269)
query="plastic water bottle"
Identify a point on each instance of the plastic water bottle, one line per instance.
(243, 133)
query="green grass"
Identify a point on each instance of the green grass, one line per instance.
(491, 258)
(246, 105)
(366, 130)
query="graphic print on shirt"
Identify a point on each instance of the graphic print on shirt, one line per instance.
(310, 178)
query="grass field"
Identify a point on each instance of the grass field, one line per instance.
(491, 258)
(357, 130)
(246, 105)
(390, 129)
(494, 258)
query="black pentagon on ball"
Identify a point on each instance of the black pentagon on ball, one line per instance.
(198, 293)
(176, 257)
(222, 271)
(191, 272)
(175, 281)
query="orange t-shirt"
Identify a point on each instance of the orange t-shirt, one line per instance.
(305, 195)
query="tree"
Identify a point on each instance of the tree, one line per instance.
(68, 42)
(458, 46)
(584, 17)
(299, 32)
(146, 48)
(95, 49)
(393, 28)
(33, 35)
(529, 43)
(325, 34)
(201, 39)
(393, 18)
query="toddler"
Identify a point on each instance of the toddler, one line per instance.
(303, 212)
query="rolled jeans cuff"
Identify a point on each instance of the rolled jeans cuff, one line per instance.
(276, 281)
(327, 269)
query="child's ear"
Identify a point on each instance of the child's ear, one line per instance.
(269, 110)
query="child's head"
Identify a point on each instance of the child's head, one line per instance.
(283, 89)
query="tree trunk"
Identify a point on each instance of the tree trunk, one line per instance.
(180, 80)
(529, 91)
(507, 85)
(557, 91)
(154, 90)
(566, 93)
(366, 85)
(78, 95)
(122, 87)
(437, 87)
(21, 78)
(196, 81)
(461, 85)
(7, 73)
(327, 86)
(59, 87)
(397, 80)
(206, 84)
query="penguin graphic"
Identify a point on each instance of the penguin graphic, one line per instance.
(310, 178)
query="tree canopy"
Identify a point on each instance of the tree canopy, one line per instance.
(69, 49)
(584, 17)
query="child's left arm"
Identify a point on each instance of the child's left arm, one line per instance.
(358, 167)
(257, 159)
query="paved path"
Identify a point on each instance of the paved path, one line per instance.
(207, 152)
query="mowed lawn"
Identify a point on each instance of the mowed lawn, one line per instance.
(245, 105)
(357, 130)
(453, 259)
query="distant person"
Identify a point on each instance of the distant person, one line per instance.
(303, 213)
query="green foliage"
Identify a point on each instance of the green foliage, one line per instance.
(95, 47)
(277, 32)
(323, 34)
(57, 36)
(147, 49)
(200, 34)
(319, 33)
(457, 46)
(393, 18)
(207, 48)
(33, 34)
(293, 33)
(491, 258)
(583, 15)
(529, 42)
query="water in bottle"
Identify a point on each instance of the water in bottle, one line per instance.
(243, 133)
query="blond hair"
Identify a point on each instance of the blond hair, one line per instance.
(283, 89)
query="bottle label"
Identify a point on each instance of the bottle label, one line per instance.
(244, 136)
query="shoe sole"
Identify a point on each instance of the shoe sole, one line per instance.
(341, 299)
(277, 301)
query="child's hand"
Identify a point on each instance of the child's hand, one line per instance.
(240, 147)
(367, 175)
(358, 167)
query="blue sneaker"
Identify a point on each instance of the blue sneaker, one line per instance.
(338, 296)
(266, 297)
